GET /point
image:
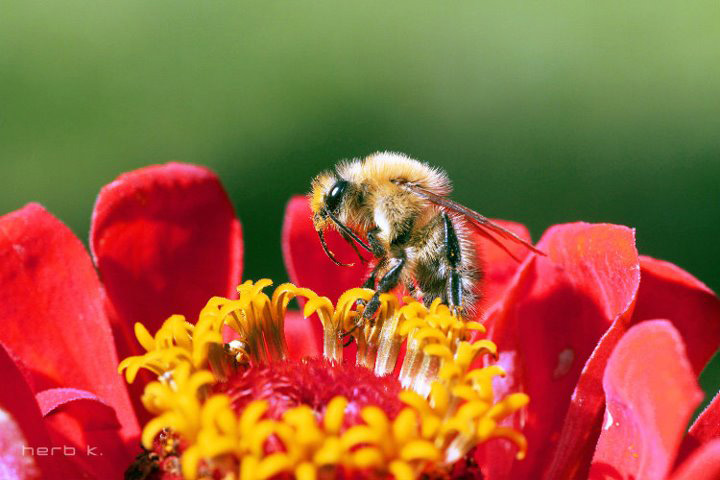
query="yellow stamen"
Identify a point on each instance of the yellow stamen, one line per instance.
(334, 414)
(449, 407)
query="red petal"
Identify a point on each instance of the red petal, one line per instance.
(16, 459)
(27, 429)
(707, 425)
(667, 291)
(87, 430)
(52, 311)
(704, 464)
(499, 267)
(548, 323)
(165, 239)
(307, 264)
(576, 443)
(299, 333)
(650, 393)
(705, 428)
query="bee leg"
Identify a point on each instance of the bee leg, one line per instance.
(387, 283)
(452, 255)
(411, 288)
(347, 333)
(379, 252)
(370, 282)
(375, 245)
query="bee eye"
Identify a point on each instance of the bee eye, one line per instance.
(334, 196)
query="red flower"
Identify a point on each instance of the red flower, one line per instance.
(559, 321)
(576, 331)
(164, 239)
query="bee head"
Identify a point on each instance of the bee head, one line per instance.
(326, 197)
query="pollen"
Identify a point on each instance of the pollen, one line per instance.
(243, 410)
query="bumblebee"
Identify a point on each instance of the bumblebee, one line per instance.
(397, 209)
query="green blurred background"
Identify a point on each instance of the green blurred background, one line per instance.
(541, 112)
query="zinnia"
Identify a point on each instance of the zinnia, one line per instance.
(577, 331)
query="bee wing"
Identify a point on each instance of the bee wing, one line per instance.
(482, 224)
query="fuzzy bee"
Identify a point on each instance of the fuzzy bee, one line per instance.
(418, 236)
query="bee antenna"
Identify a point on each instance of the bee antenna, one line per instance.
(363, 260)
(327, 251)
(347, 231)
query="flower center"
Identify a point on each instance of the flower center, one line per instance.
(243, 410)
(313, 382)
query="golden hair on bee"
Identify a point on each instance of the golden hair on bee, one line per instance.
(418, 236)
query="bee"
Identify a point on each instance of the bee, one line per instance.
(397, 209)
